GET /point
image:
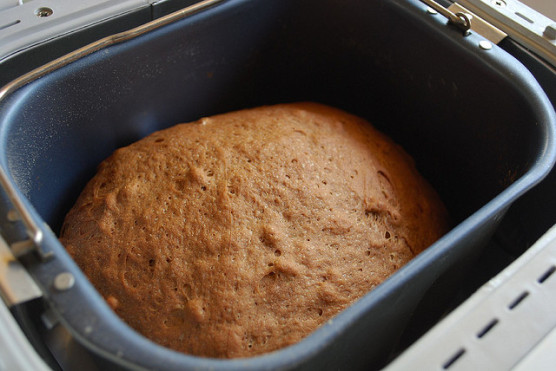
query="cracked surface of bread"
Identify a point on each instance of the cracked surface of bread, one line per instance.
(241, 233)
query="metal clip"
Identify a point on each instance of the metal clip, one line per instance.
(529, 28)
(460, 20)
(16, 285)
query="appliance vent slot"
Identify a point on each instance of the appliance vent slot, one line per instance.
(452, 360)
(487, 328)
(518, 300)
(10, 24)
(524, 17)
(547, 274)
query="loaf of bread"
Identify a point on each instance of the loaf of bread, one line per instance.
(242, 233)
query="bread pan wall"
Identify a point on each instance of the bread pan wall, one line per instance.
(477, 124)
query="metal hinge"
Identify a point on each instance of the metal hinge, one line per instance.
(479, 25)
(497, 19)
(459, 19)
(466, 21)
(16, 285)
(523, 24)
(34, 242)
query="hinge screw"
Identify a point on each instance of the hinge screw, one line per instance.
(498, 3)
(43, 12)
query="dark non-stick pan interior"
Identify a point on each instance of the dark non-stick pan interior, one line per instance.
(476, 123)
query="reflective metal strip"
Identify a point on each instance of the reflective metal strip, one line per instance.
(16, 353)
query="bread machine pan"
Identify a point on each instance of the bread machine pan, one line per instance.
(476, 122)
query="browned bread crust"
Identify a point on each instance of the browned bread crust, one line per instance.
(241, 233)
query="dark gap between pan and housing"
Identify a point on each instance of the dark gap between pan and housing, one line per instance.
(487, 328)
(546, 274)
(518, 300)
(453, 359)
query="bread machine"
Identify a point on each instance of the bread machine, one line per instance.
(467, 88)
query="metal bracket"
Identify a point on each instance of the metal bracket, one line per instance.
(32, 244)
(29, 23)
(459, 20)
(531, 29)
(479, 25)
(16, 285)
